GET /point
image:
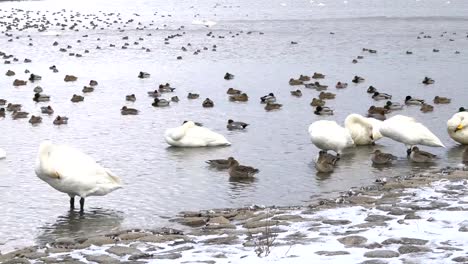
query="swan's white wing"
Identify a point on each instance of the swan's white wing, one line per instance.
(204, 136)
(174, 133)
(328, 135)
(79, 173)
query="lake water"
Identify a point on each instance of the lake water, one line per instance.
(161, 181)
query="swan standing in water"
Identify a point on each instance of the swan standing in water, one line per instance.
(191, 135)
(72, 172)
(409, 132)
(364, 131)
(457, 127)
(328, 135)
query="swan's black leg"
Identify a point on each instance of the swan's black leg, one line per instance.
(72, 203)
(82, 205)
(408, 152)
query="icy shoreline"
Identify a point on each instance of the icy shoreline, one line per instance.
(422, 218)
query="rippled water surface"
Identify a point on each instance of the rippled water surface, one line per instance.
(161, 181)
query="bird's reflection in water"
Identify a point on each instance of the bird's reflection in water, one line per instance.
(239, 186)
(73, 224)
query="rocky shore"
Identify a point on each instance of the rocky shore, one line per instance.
(416, 219)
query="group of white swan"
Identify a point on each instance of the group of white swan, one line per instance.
(77, 174)
(329, 135)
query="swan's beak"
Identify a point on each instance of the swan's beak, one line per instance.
(459, 127)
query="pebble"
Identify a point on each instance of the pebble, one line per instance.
(381, 253)
(336, 222)
(405, 241)
(122, 251)
(352, 241)
(104, 259)
(407, 249)
(332, 253)
(378, 218)
(168, 256)
(463, 259)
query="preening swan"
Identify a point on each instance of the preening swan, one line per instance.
(328, 135)
(364, 131)
(191, 135)
(409, 132)
(457, 127)
(74, 173)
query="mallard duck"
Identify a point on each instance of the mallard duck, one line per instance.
(130, 98)
(228, 76)
(87, 89)
(413, 101)
(47, 110)
(318, 75)
(60, 120)
(10, 73)
(304, 78)
(381, 96)
(340, 85)
(128, 111)
(35, 120)
(295, 82)
(193, 96)
(324, 95)
(154, 94)
(428, 80)
(77, 98)
(389, 105)
(166, 88)
(160, 102)
(233, 91)
(426, 108)
(143, 75)
(239, 97)
(296, 93)
(420, 156)
(93, 83)
(269, 98)
(317, 102)
(442, 100)
(371, 89)
(38, 89)
(41, 97)
(379, 158)
(354, 61)
(325, 162)
(220, 164)
(18, 114)
(2, 112)
(376, 110)
(19, 82)
(236, 125)
(13, 107)
(175, 99)
(208, 103)
(272, 106)
(358, 79)
(70, 78)
(409, 52)
(319, 87)
(34, 77)
(462, 109)
(3, 101)
(240, 171)
(323, 110)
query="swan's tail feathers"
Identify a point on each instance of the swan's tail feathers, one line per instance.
(114, 178)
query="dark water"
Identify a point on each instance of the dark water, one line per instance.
(160, 181)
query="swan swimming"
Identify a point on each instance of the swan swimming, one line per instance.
(191, 135)
(363, 130)
(72, 172)
(409, 132)
(328, 135)
(457, 127)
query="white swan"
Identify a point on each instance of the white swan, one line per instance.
(74, 173)
(2, 153)
(191, 135)
(457, 127)
(363, 130)
(328, 135)
(409, 132)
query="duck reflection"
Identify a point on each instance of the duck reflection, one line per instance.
(73, 224)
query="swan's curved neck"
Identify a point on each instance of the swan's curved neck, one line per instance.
(44, 151)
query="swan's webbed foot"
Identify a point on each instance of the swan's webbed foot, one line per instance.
(72, 203)
(82, 205)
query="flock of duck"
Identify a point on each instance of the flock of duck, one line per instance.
(72, 172)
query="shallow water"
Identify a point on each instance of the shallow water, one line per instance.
(161, 181)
